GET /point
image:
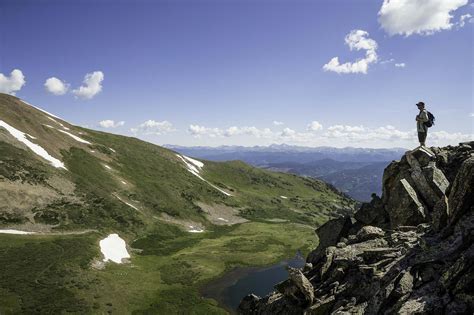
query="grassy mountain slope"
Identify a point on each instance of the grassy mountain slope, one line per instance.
(147, 194)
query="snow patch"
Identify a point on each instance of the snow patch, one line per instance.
(283, 197)
(222, 219)
(112, 150)
(107, 167)
(21, 136)
(127, 203)
(196, 163)
(195, 229)
(74, 137)
(194, 168)
(49, 126)
(123, 182)
(114, 248)
(30, 136)
(41, 110)
(64, 127)
(9, 231)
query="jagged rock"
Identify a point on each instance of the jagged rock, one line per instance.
(420, 264)
(436, 179)
(461, 198)
(329, 234)
(440, 214)
(405, 207)
(423, 155)
(369, 232)
(302, 283)
(372, 213)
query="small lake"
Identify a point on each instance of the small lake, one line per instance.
(237, 283)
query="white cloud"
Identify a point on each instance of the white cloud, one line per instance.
(315, 126)
(56, 86)
(278, 123)
(12, 84)
(335, 135)
(400, 65)
(471, 115)
(108, 123)
(424, 17)
(198, 131)
(92, 85)
(152, 127)
(356, 40)
(463, 19)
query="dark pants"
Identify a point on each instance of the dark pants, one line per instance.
(422, 137)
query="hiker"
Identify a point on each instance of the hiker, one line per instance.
(421, 120)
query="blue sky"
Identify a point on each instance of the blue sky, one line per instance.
(246, 72)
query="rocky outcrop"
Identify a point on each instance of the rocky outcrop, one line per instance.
(409, 252)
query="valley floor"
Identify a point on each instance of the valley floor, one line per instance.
(54, 273)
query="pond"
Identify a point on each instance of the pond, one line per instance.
(237, 283)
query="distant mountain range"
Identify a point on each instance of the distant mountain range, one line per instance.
(354, 171)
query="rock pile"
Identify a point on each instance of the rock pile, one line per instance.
(408, 252)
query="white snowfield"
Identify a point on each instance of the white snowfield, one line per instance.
(41, 110)
(194, 167)
(195, 229)
(9, 231)
(107, 167)
(127, 203)
(49, 126)
(64, 127)
(283, 197)
(114, 248)
(222, 219)
(21, 136)
(74, 137)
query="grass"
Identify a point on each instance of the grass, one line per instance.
(38, 269)
(52, 274)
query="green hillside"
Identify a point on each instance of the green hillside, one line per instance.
(93, 183)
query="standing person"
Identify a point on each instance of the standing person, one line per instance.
(421, 119)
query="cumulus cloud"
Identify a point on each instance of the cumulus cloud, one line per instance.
(335, 135)
(56, 86)
(108, 123)
(13, 83)
(400, 65)
(152, 127)
(315, 126)
(198, 131)
(356, 40)
(278, 123)
(424, 17)
(92, 85)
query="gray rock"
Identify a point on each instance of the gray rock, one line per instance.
(369, 232)
(461, 198)
(405, 207)
(329, 234)
(302, 283)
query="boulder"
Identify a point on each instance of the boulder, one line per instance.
(436, 179)
(302, 283)
(461, 198)
(372, 213)
(369, 232)
(329, 234)
(405, 207)
(440, 214)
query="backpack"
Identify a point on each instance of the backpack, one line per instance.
(431, 119)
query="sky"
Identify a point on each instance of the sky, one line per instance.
(311, 73)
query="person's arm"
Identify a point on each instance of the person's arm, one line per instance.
(423, 117)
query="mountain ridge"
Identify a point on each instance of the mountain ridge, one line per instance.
(409, 251)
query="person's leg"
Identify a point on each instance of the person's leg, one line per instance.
(422, 138)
